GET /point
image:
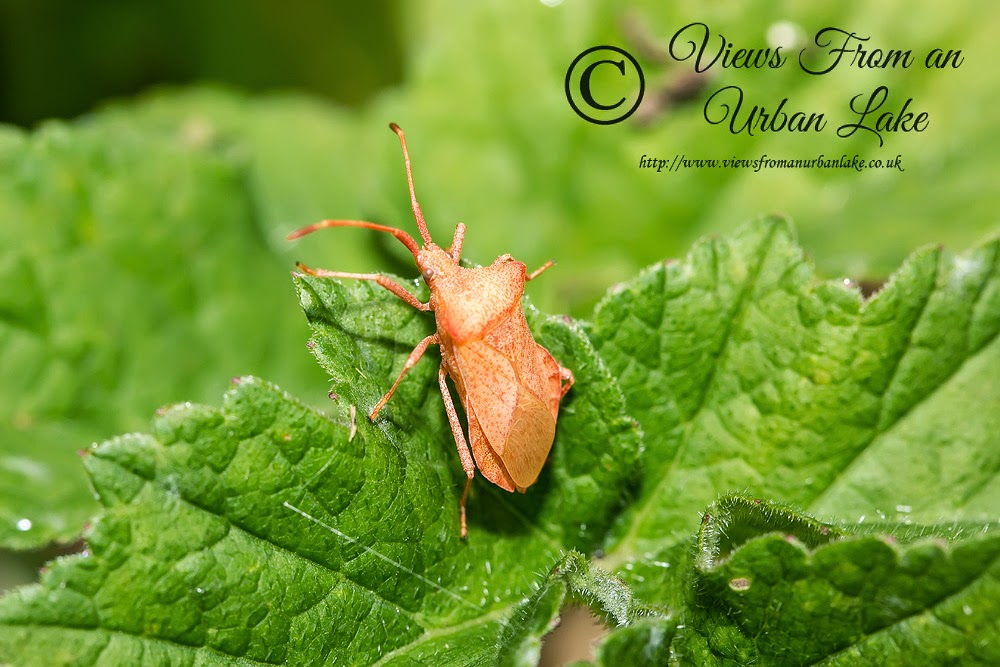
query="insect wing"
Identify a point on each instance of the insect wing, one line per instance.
(516, 423)
(532, 431)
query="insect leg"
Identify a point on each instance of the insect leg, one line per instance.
(384, 281)
(411, 361)
(537, 272)
(456, 243)
(565, 375)
(463, 447)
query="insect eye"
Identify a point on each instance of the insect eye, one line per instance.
(428, 273)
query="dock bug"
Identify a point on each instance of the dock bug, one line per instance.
(509, 385)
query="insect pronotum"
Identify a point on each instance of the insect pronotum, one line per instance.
(509, 385)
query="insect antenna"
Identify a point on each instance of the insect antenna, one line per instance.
(418, 215)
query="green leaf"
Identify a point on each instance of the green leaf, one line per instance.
(268, 487)
(746, 374)
(799, 593)
(260, 530)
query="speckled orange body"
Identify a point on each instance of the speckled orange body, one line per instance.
(509, 385)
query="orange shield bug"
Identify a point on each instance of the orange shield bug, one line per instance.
(509, 385)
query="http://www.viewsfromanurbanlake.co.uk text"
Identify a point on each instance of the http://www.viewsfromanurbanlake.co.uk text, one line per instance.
(855, 162)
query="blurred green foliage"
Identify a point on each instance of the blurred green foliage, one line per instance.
(507, 148)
